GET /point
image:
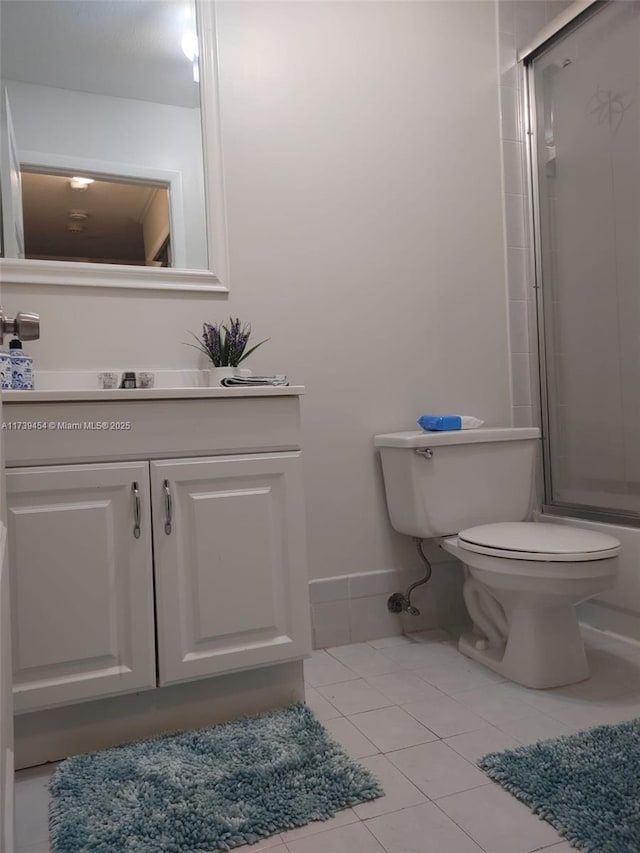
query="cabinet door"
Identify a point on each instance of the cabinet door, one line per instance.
(81, 581)
(6, 701)
(230, 563)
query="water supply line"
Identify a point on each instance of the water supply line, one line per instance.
(399, 602)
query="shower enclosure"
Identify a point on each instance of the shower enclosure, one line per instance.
(583, 91)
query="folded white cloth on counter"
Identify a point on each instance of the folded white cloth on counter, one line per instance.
(248, 381)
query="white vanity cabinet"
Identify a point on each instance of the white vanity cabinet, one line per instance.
(144, 573)
(229, 548)
(82, 581)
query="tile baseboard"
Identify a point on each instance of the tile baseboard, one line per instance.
(353, 608)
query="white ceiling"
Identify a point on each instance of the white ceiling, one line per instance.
(123, 48)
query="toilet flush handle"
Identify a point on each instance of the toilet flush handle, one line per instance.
(425, 452)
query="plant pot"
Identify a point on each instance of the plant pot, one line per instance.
(216, 374)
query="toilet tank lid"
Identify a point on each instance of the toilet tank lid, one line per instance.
(422, 438)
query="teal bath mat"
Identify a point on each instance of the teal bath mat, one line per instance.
(205, 790)
(586, 785)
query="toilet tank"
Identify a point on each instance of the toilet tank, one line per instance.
(439, 483)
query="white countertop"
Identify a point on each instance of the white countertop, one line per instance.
(58, 386)
(59, 395)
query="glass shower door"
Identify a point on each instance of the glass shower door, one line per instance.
(586, 146)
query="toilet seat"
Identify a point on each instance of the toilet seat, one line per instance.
(537, 541)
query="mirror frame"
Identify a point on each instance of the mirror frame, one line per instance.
(216, 278)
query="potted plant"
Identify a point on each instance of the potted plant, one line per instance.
(225, 347)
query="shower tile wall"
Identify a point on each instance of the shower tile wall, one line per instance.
(518, 22)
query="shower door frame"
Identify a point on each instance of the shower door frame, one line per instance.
(565, 23)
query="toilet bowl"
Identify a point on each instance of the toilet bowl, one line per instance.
(522, 583)
(472, 492)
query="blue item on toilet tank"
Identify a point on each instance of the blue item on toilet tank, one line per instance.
(437, 423)
(440, 422)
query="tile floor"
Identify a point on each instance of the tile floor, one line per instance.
(418, 714)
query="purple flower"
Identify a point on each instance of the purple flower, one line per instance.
(237, 336)
(226, 346)
(212, 343)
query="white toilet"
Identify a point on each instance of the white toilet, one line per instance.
(471, 490)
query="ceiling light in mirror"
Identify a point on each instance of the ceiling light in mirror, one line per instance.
(189, 45)
(80, 184)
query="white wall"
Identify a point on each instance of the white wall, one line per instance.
(362, 168)
(121, 131)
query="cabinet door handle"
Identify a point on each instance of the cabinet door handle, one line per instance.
(168, 506)
(136, 509)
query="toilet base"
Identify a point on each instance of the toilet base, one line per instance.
(543, 649)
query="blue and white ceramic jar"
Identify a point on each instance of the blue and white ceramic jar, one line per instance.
(21, 367)
(5, 371)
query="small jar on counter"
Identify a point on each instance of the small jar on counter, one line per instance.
(5, 371)
(21, 367)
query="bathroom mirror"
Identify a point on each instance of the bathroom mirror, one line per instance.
(110, 166)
